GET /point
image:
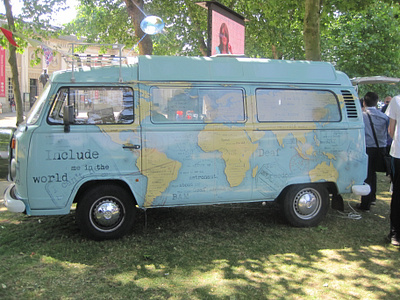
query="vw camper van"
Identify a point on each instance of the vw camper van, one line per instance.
(179, 131)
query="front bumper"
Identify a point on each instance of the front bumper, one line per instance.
(361, 190)
(12, 203)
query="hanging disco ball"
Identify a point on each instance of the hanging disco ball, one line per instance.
(152, 25)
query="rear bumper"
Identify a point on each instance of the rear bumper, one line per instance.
(361, 189)
(12, 203)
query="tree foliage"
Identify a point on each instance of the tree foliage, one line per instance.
(33, 22)
(274, 28)
(358, 36)
(365, 43)
(13, 63)
(103, 21)
(312, 36)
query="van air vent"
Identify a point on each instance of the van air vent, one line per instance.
(350, 105)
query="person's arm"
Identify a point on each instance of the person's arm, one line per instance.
(392, 127)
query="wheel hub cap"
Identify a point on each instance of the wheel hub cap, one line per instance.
(107, 213)
(307, 204)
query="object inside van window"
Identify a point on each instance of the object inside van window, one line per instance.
(94, 105)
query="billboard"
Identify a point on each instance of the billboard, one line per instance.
(226, 30)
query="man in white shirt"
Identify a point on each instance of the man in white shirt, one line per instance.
(393, 111)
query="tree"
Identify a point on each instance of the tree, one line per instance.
(186, 28)
(274, 28)
(135, 11)
(13, 63)
(117, 21)
(365, 43)
(33, 22)
(111, 22)
(312, 29)
(280, 29)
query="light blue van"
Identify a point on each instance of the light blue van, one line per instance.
(179, 131)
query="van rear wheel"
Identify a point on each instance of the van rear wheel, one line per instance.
(105, 212)
(305, 205)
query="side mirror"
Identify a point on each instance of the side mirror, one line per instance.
(68, 117)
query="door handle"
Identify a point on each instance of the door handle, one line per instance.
(131, 147)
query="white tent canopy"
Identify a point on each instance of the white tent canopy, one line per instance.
(374, 79)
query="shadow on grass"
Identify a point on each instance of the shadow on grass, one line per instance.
(219, 252)
(214, 252)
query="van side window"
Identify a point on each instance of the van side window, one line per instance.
(197, 105)
(97, 105)
(284, 105)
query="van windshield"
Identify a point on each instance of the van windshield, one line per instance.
(36, 109)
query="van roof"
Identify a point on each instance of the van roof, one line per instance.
(210, 69)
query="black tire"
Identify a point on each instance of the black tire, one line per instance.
(305, 205)
(105, 212)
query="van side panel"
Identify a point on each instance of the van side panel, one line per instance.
(321, 154)
(329, 149)
(191, 163)
(197, 166)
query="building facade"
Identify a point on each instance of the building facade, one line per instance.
(55, 54)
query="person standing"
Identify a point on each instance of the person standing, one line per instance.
(376, 127)
(44, 77)
(389, 138)
(393, 111)
(386, 104)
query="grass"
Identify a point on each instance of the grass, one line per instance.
(214, 252)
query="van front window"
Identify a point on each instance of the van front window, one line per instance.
(36, 109)
(94, 105)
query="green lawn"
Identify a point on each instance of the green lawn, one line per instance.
(213, 252)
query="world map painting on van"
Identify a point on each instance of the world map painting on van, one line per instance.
(235, 130)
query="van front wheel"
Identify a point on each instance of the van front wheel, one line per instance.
(105, 212)
(305, 205)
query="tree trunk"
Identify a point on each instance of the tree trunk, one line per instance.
(14, 68)
(135, 11)
(202, 46)
(312, 37)
(201, 42)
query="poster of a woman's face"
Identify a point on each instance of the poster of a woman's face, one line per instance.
(224, 46)
(227, 35)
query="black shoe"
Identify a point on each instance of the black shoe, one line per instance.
(359, 208)
(373, 202)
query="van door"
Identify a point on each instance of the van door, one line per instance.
(103, 143)
(196, 148)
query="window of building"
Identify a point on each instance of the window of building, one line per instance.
(33, 91)
(10, 89)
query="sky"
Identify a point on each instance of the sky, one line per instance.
(62, 18)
